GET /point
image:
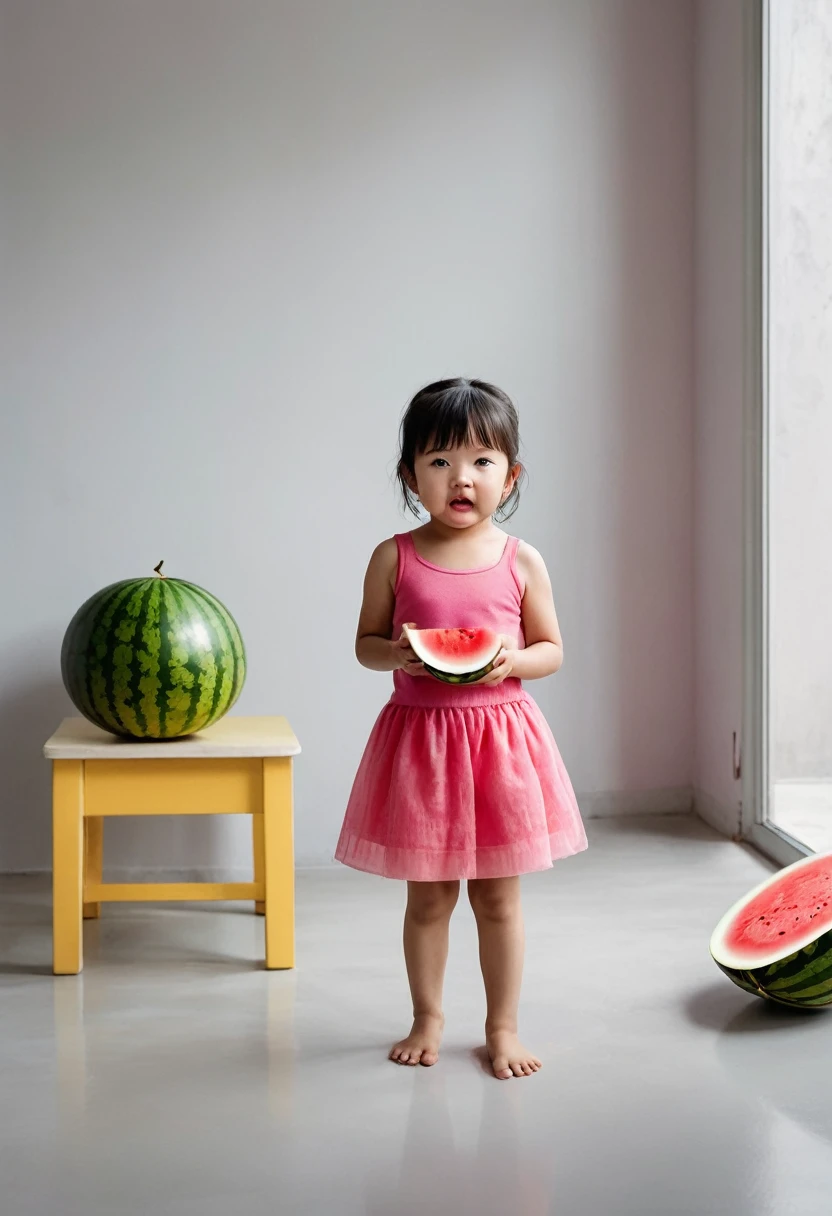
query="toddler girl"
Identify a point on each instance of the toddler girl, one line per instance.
(461, 781)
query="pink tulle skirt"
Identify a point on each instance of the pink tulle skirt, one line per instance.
(460, 792)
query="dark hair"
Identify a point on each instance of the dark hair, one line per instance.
(450, 413)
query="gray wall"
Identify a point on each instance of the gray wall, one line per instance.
(236, 238)
(718, 412)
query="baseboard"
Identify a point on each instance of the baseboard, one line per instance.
(181, 874)
(722, 818)
(675, 800)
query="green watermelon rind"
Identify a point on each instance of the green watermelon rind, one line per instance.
(752, 982)
(468, 678)
(127, 667)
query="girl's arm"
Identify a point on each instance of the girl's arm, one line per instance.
(374, 647)
(543, 653)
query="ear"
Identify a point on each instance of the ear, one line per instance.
(511, 480)
(410, 479)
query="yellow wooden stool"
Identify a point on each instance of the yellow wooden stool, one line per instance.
(238, 766)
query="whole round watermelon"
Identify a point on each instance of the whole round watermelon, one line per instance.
(153, 658)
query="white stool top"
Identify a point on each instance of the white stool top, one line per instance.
(78, 739)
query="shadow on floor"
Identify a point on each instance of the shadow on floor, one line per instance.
(168, 936)
(726, 1008)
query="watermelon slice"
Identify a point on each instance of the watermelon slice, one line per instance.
(455, 656)
(777, 940)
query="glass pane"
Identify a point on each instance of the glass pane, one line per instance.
(800, 418)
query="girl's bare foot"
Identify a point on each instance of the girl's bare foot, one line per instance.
(508, 1056)
(422, 1044)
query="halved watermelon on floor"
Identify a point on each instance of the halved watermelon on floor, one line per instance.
(777, 940)
(455, 656)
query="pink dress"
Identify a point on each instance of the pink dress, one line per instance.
(459, 782)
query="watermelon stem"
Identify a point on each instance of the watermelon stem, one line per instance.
(158, 569)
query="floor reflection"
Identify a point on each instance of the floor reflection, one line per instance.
(461, 1147)
(70, 1052)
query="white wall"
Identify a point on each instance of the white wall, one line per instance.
(718, 412)
(800, 367)
(237, 237)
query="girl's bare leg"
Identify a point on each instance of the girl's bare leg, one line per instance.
(426, 922)
(499, 915)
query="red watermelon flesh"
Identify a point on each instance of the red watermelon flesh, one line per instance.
(455, 652)
(785, 913)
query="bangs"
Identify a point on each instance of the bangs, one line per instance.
(473, 423)
(455, 415)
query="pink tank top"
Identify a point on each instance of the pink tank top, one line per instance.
(435, 598)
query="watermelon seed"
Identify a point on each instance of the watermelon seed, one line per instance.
(781, 933)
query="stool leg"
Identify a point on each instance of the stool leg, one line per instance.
(67, 866)
(279, 862)
(259, 841)
(93, 861)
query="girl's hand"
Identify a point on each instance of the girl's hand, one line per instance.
(404, 658)
(503, 664)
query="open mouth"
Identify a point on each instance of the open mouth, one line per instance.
(461, 504)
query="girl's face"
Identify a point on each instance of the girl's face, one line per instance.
(464, 485)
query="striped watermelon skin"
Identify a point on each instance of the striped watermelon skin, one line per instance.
(153, 658)
(469, 678)
(802, 980)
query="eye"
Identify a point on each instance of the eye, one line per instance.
(484, 460)
(440, 460)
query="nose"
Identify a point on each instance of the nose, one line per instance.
(463, 478)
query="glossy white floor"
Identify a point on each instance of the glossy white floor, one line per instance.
(176, 1077)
